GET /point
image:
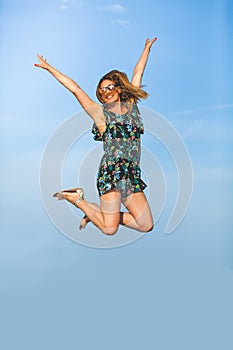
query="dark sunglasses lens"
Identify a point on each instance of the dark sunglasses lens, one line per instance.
(110, 87)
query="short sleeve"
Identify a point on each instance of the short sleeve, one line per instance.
(97, 135)
(138, 118)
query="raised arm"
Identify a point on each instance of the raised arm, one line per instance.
(91, 107)
(141, 64)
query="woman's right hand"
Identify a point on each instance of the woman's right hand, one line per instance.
(43, 62)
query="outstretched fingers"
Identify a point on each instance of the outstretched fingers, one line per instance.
(42, 62)
(149, 42)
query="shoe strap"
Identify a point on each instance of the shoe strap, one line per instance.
(80, 198)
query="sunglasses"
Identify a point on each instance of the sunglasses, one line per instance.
(109, 87)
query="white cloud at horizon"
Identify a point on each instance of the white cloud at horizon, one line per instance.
(205, 108)
(121, 22)
(197, 127)
(65, 4)
(117, 8)
(202, 128)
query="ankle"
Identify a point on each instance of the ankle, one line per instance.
(80, 198)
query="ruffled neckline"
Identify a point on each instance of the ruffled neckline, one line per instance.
(122, 121)
(105, 107)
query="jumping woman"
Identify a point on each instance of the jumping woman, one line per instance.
(118, 124)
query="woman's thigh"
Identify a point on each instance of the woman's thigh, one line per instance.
(110, 204)
(138, 207)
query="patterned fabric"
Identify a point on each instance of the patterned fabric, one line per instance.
(120, 165)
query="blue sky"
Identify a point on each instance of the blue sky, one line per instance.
(162, 291)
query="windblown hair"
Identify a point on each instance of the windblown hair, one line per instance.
(130, 93)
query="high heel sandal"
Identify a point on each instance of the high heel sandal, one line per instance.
(60, 195)
(84, 222)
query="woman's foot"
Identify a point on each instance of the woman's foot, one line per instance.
(84, 222)
(74, 195)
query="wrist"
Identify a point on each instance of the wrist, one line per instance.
(147, 49)
(49, 68)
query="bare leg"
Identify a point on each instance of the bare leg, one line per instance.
(126, 219)
(139, 215)
(85, 220)
(106, 216)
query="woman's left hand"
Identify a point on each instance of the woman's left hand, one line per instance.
(149, 43)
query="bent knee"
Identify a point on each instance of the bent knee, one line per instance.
(110, 230)
(150, 228)
(147, 228)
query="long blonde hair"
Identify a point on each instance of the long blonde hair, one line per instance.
(130, 93)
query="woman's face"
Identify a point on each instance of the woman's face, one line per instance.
(109, 91)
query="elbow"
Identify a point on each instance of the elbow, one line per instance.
(75, 90)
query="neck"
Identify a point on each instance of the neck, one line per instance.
(117, 107)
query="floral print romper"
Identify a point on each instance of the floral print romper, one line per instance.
(119, 168)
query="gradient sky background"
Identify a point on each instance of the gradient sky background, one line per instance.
(163, 291)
